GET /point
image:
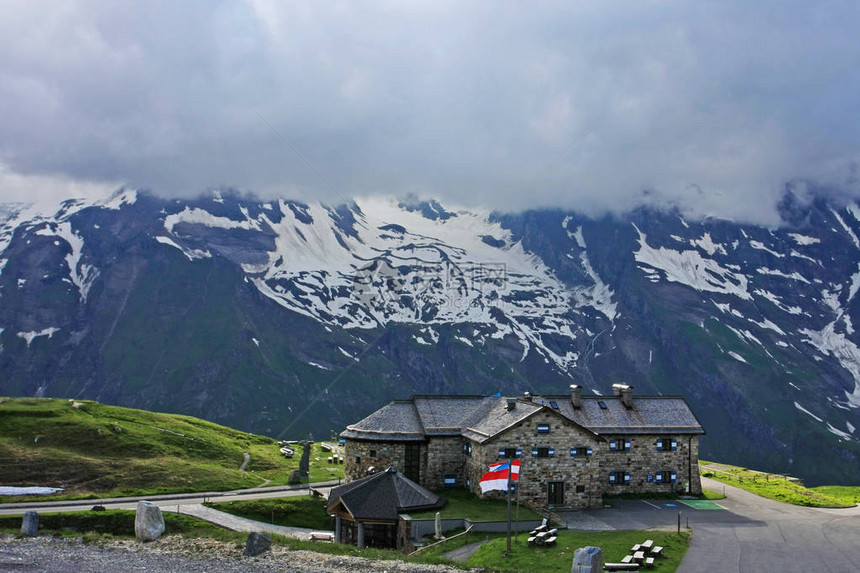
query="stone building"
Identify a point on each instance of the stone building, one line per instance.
(574, 449)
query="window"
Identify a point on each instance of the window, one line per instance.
(450, 480)
(666, 476)
(580, 489)
(510, 453)
(667, 444)
(467, 448)
(602, 405)
(619, 445)
(543, 428)
(580, 451)
(543, 452)
(358, 460)
(372, 453)
(554, 405)
(619, 478)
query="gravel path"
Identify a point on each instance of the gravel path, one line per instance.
(174, 553)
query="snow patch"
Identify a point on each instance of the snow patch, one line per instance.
(708, 245)
(803, 239)
(840, 433)
(807, 412)
(203, 217)
(256, 342)
(32, 335)
(737, 356)
(190, 253)
(691, 269)
(760, 246)
(27, 490)
(777, 273)
(847, 228)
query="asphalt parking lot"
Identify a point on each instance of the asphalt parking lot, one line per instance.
(745, 533)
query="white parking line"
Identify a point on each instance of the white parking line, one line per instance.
(651, 504)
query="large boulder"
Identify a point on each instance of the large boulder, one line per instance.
(30, 525)
(587, 560)
(148, 522)
(257, 543)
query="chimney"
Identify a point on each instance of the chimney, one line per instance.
(512, 403)
(528, 396)
(576, 396)
(625, 392)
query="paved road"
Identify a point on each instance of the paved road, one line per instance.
(166, 502)
(750, 534)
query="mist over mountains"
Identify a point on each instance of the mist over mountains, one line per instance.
(286, 318)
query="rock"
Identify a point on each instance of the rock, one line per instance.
(30, 524)
(587, 560)
(148, 522)
(257, 543)
(98, 508)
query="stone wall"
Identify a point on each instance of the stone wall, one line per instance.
(359, 457)
(444, 457)
(579, 475)
(645, 460)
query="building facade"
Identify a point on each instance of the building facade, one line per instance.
(574, 449)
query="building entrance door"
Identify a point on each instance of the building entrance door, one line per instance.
(555, 493)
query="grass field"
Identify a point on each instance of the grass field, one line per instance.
(525, 558)
(305, 511)
(780, 488)
(463, 504)
(96, 451)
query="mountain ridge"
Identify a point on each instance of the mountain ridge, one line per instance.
(279, 316)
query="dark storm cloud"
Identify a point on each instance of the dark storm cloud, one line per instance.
(711, 107)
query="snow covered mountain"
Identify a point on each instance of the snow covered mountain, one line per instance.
(283, 317)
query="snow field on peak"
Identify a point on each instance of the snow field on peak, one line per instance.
(397, 266)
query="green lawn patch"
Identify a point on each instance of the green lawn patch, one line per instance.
(101, 451)
(615, 545)
(304, 511)
(847, 494)
(461, 503)
(709, 494)
(777, 487)
(700, 504)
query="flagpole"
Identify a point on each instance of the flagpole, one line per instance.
(510, 470)
(517, 538)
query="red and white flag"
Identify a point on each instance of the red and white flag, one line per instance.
(497, 477)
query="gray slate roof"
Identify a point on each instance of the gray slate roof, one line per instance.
(480, 418)
(383, 496)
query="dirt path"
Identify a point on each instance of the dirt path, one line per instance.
(245, 461)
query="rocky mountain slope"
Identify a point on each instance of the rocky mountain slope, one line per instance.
(284, 318)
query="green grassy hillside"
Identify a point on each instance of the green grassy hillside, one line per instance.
(780, 487)
(101, 451)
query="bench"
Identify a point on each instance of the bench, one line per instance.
(657, 551)
(621, 566)
(532, 539)
(648, 544)
(322, 536)
(635, 548)
(639, 556)
(627, 559)
(649, 562)
(550, 540)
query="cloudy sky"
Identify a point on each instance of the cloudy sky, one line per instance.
(597, 106)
